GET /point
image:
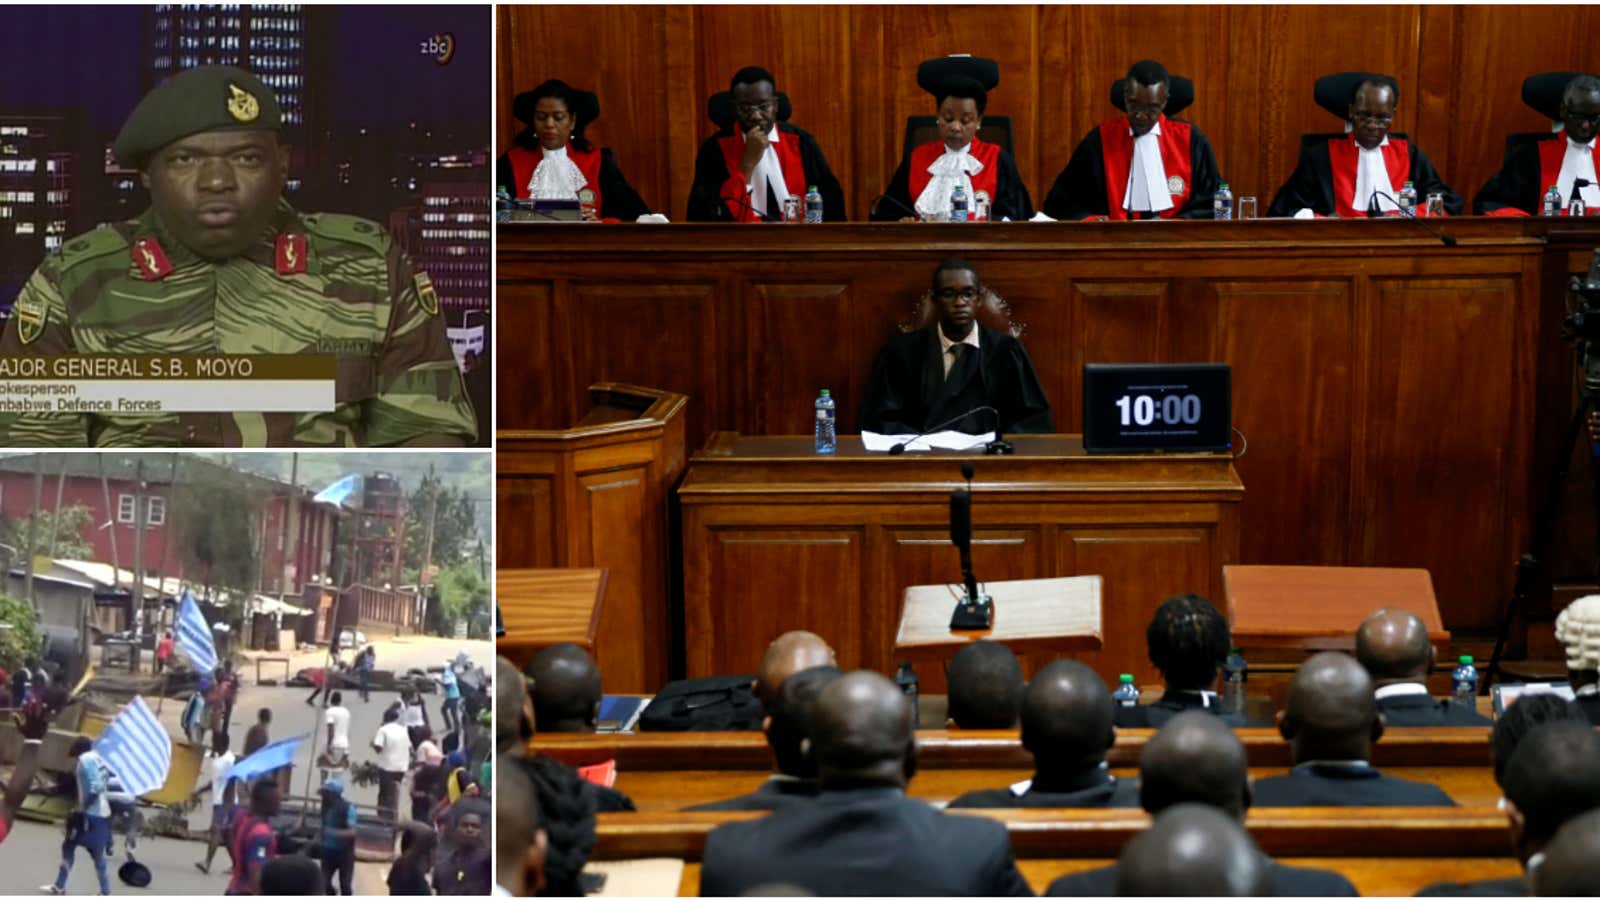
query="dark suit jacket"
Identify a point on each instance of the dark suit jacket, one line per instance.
(863, 841)
(773, 793)
(1419, 709)
(908, 391)
(1287, 881)
(1335, 785)
(1591, 707)
(1093, 788)
(1493, 887)
(1155, 715)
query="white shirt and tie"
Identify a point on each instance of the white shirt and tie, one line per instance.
(1578, 163)
(969, 343)
(1372, 179)
(1147, 175)
(952, 168)
(768, 175)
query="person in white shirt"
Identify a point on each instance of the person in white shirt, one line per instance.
(336, 718)
(214, 771)
(393, 746)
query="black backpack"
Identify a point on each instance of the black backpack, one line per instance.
(720, 703)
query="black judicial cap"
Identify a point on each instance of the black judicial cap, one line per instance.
(584, 105)
(1542, 92)
(1336, 92)
(205, 98)
(1180, 94)
(933, 75)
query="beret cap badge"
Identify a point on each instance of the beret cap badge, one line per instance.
(242, 105)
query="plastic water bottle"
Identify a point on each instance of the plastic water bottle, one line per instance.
(1407, 200)
(958, 205)
(1234, 674)
(906, 680)
(1465, 683)
(827, 440)
(1552, 201)
(1575, 206)
(813, 206)
(1126, 693)
(1222, 203)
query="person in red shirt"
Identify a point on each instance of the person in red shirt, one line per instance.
(163, 652)
(254, 841)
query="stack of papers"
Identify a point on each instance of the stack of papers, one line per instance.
(939, 440)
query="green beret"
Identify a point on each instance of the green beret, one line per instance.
(208, 98)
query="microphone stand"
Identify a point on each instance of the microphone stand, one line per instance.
(900, 448)
(873, 209)
(1373, 212)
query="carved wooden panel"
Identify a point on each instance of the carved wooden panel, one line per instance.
(616, 507)
(524, 522)
(525, 316)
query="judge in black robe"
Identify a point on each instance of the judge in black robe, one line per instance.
(1096, 180)
(722, 192)
(1531, 167)
(555, 115)
(1325, 178)
(910, 392)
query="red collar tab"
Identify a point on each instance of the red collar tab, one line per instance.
(291, 255)
(151, 259)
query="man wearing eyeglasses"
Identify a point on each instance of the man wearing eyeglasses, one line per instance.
(1560, 159)
(1361, 173)
(954, 366)
(1146, 165)
(746, 176)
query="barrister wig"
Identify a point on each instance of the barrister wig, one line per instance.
(1578, 629)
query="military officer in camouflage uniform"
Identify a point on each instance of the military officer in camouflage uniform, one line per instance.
(222, 264)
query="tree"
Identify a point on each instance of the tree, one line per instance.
(215, 520)
(22, 639)
(463, 596)
(455, 526)
(67, 525)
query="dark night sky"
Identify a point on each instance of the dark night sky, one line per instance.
(89, 57)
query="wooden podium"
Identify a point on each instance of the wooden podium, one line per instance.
(544, 607)
(1036, 615)
(776, 537)
(595, 496)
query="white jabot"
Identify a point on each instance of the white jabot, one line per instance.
(1578, 163)
(1372, 177)
(768, 173)
(1147, 175)
(1404, 689)
(953, 167)
(556, 177)
(945, 344)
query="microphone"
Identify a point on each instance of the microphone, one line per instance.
(1445, 239)
(872, 210)
(900, 448)
(765, 217)
(1577, 185)
(974, 611)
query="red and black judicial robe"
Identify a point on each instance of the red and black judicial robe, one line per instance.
(1008, 196)
(1324, 180)
(1518, 188)
(1096, 178)
(614, 198)
(719, 190)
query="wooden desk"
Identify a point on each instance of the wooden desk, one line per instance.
(542, 607)
(1036, 615)
(776, 537)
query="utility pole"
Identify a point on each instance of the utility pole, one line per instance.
(61, 484)
(111, 520)
(170, 532)
(427, 551)
(33, 527)
(288, 507)
(138, 542)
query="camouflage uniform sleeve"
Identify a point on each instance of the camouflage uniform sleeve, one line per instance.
(38, 327)
(421, 395)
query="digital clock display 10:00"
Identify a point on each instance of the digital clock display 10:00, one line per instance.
(1173, 409)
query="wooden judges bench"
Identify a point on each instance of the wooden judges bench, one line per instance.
(1384, 852)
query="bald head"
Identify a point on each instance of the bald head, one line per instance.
(1192, 851)
(861, 730)
(790, 652)
(1571, 865)
(1553, 777)
(985, 686)
(513, 719)
(566, 689)
(1195, 758)
(1066, 717)
(1392, 645)
(1330, 713)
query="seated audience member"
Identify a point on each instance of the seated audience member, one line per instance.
(790, 652)
(1522, 717)
(1330, 720)
(985, 684)
(1393, 646)
(746, 174)
(513, 702)
(567, 813)
(1553, 777)
(862, 834)
(290, 876)
(519, 837)
(1066, 725)
(1578, 630)
(922, 380)
(1196, 758)
(787, 725)
(1571, 866)
(1188, 641)
(518, 730)
(565, 684)
(1192, 850)
(1140, 165)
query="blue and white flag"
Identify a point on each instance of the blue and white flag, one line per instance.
(136, 747)
(340, 492)
(194, 635)
(270, 758)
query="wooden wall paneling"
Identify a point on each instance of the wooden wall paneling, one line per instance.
(1112, 321)
(617, 501)
(1039, 297)
(525, 313)
(1291, 346)
(1250, 131)
(1151, 564)
(1435, 497)
(796, 346)
(524, 520)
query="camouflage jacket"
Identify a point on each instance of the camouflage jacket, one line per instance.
(131, 288)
